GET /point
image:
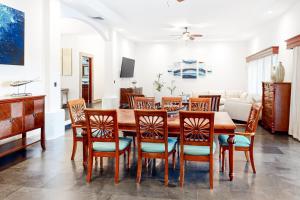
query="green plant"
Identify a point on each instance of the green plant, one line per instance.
(158, 84)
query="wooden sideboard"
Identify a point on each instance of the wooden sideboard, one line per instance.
(123, 95)
(276, 106)
(18, 116)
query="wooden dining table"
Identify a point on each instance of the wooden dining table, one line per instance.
(223, 125)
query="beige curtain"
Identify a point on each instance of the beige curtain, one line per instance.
(294, 128)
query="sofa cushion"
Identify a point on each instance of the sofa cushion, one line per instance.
(233, 94)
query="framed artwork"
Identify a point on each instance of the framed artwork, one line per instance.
(11, 36)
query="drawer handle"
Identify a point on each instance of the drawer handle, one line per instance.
(11, 120)
(34, 115)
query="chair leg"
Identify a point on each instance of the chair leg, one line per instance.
(223, 160)
(139, 169)
(220, 152)
(117, 169)
(252, 161)
(128, 157)
(211, 174)
(74, 149)
(166, 171)
(90, 167)
(181, 170)
(247, 155)
(173, 159)
(96, 162)
(133, 138)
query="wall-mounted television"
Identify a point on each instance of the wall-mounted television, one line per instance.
(127, 68)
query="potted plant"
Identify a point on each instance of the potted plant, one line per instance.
(158, 86)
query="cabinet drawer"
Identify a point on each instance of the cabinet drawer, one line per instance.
(34, 114)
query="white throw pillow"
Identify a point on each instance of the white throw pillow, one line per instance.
(244, 95)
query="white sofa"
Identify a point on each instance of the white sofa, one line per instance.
(236, 103)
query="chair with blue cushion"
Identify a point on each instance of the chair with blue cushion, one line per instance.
(197, 140)
(76, 110)
(153, 141)
(243, 141)
(103, 139)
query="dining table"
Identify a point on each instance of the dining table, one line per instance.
(223, 124)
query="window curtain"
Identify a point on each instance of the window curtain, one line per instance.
(294, 128)
(258, 72)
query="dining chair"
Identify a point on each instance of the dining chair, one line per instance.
(242, 141)
(153, 141)
(131, 103)
(147, 103)
(130, 98)
(171, 103)
(103, 139)
(76, 111)
(215, 101)
(196, 140)
(200, 104)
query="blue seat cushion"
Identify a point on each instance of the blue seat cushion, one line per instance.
(198, 150)
(240, 140)
(111, 146)
(150, 147)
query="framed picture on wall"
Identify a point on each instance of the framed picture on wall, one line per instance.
(11, 36)
(66, 61)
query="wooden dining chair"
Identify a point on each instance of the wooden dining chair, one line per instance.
(130, 98)
(242, 141)
(153, 141)
(215, 101)
(197, 140)
(103, 139)
(147, 103)
(200, 104)
(76, 111)
(131, 103)
(171, 103)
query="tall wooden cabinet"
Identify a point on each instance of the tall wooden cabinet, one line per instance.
(276, 106)
(18, 116)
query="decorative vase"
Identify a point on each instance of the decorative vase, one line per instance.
(278, 73)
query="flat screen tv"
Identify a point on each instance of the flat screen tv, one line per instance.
(127, 68)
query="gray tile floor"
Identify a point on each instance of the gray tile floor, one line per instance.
(33, 174)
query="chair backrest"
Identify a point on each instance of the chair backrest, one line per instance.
(151, 126)
(102, 126)
(196, 128)
(130, 98)
(215, 101)
(147, 103)
(253, 118)
(171, 103)
(200, 104)
(76, 110)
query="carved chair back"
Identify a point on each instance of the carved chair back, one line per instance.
(151, 126)
(196, 128)
(76, 110)
(200, 104)
(130, 98)
(253, 118)
(147, 103)
(102, 126)
(171, 103)
(215, 101)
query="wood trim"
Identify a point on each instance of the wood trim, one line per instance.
(264, 53)
(293, 42)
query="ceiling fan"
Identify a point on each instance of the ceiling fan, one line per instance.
(180, 1)
(186, 35)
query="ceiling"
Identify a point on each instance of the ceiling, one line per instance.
(156, 20)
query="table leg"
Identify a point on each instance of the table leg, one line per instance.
(84, 148)
(231, 152)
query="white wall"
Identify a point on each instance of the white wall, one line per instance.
(227, 61)
(34, 63)
(83, 39)
(275, 34)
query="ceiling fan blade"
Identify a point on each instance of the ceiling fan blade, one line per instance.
(196, 35)
(191, 38)
(180, 1)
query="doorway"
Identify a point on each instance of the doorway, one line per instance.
(86, 77)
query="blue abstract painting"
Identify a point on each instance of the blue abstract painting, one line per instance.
(11, 36)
